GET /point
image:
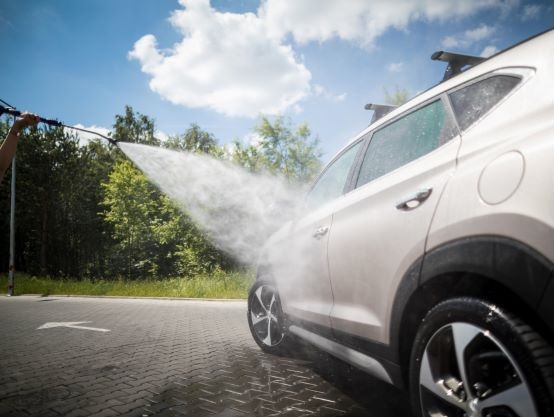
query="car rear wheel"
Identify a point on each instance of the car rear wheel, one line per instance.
(473, 359)
(266, 319)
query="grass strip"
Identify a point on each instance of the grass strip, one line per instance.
(222, 285)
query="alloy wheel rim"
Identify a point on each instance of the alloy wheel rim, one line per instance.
(466, 372)
(265, 316)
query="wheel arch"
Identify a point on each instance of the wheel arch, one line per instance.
(498, 269)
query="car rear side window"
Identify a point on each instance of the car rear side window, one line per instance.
(472, 102)
(331, 183)
(406, 139)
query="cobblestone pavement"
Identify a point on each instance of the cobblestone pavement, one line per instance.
(166, 357)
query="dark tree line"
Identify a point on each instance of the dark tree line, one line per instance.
(84, 210)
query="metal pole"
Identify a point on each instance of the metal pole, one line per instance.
(11, 272)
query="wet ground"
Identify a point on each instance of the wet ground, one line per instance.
(107, 357)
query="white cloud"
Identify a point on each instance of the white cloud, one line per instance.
(85, 137)
(244, 64)
(469, 37)
(339, 97)
(226, 62)
(395, 66)
(479, 33)
(488, 51)
(507, 7)
(362, 21)
(531, 12)
(320, 91)
(450, 42)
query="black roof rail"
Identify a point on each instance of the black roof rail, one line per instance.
(456, 62)
(379, 110)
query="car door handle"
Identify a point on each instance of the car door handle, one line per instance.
(415, 200)
(320, 232)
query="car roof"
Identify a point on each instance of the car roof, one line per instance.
(520, 54)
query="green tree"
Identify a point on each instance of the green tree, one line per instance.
(134, 127)
(170, 243)
(398, 97)
(59, 232)
(130, 202)
(153, 237)
(98, 159)
(194, 140)
(281, 149)
(249, 156)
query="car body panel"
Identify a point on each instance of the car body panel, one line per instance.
(529, 132)
(372, 243)
(299, 267)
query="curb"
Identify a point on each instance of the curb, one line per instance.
(132, 297)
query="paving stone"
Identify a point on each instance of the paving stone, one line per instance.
(77, 413)
(166, 358)
(106, 413)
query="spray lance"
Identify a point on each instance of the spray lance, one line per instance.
(51, 122)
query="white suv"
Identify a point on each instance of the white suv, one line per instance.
(425, 253)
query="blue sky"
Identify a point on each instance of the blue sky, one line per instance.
(221, 64)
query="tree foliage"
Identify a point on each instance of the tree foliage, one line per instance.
(59, 231)
(280, 149)
(152, 237)
(134, 127)
(398, 97)
(194, 140)
(84, 210)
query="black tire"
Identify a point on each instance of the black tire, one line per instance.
(502, 357)
(268, 330)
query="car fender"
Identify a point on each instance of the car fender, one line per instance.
(512, 264)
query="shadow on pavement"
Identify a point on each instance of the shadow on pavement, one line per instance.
(378, 398)
(247, 382)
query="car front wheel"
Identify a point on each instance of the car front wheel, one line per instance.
(266, 319)
(471, 358)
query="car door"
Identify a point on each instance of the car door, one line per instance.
(299, 262)
(379, 228)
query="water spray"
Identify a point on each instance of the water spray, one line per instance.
(236, 208)
(52, 122)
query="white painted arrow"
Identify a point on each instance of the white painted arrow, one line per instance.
(72, 325)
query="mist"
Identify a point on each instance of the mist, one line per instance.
(237, 209)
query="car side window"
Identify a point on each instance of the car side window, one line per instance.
(405, 140)
(331, 183)
(472, 102)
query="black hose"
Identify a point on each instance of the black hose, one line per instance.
(111, 140)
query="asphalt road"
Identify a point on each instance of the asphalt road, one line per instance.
(142, 357)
